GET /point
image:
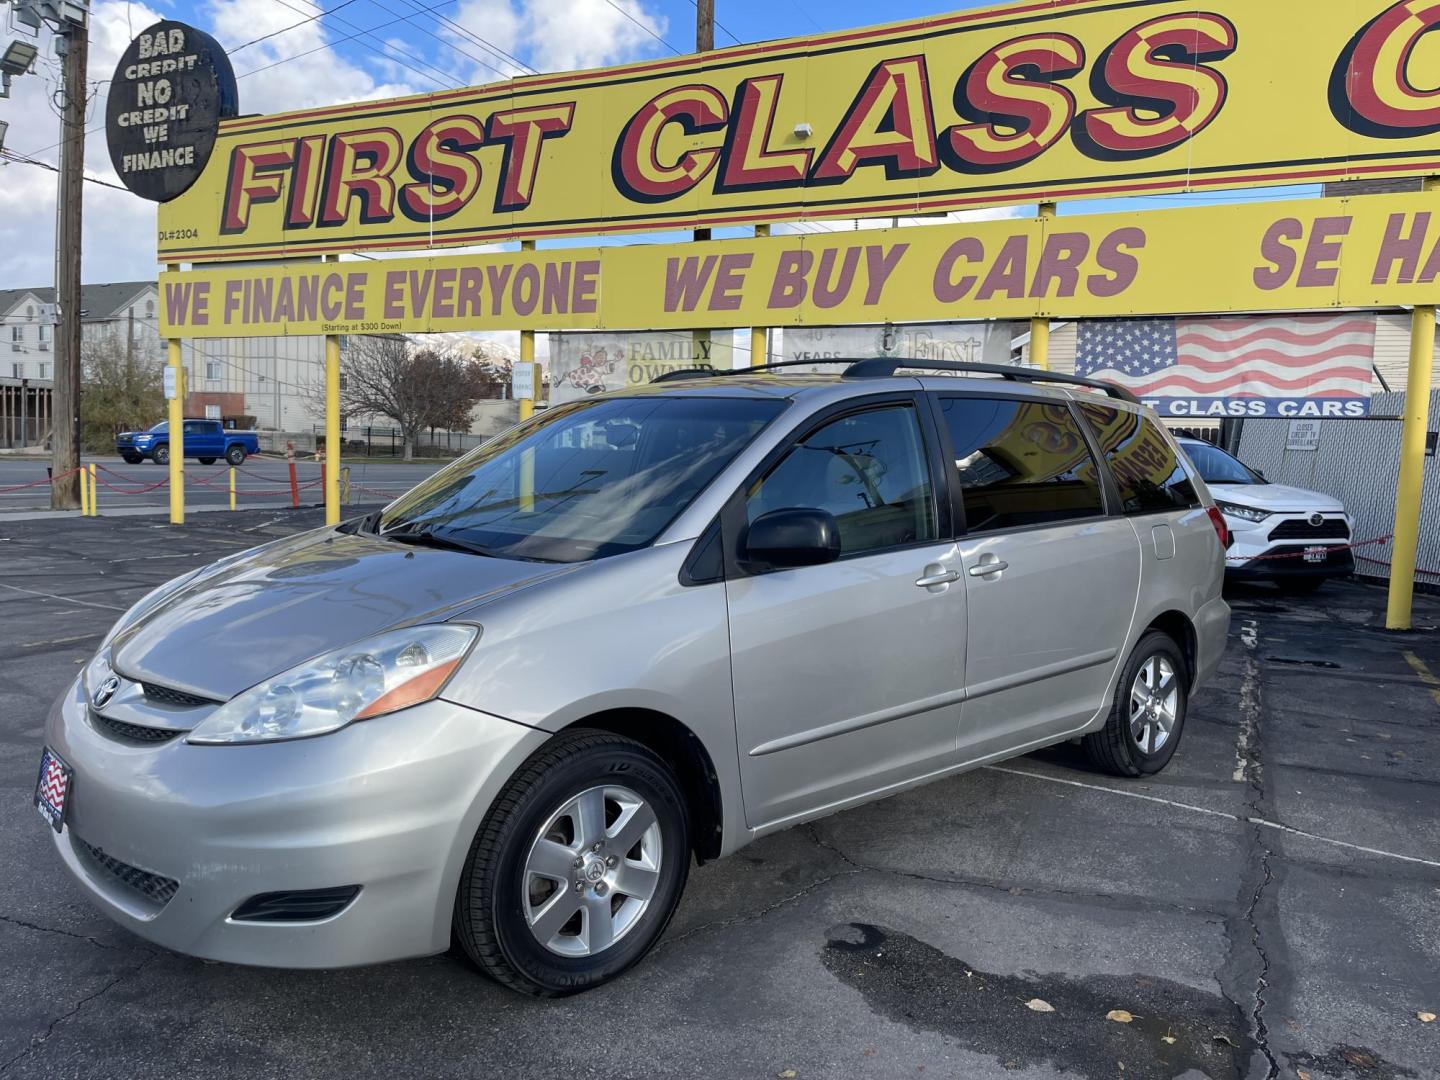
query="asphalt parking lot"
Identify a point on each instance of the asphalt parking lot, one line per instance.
(1269, 907)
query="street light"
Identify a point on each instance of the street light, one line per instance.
(18, 58)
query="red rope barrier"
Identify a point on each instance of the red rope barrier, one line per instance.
(40, 483)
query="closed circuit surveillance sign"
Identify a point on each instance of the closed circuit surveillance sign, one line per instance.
(171, 89)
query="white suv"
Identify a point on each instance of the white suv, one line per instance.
(1296, 538)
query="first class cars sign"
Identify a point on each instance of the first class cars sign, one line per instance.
(1033, 100)
(171, 89)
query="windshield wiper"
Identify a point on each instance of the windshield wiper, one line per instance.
(430, 538)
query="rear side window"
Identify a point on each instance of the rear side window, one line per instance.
(1020, 463)
(1146, 468)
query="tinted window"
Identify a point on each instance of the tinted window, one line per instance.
(1020, 463)
(868, 469)
(1146, 469)
(587, 480)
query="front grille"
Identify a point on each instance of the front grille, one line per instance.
(134, 732)
(1301, 529)
(153, 887)
(170, 696)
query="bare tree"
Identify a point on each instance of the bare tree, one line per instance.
(122, 391)
(417, 388)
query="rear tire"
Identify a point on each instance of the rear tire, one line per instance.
(1147, 717)
(162, 455)
(518, 913)
(235, 455)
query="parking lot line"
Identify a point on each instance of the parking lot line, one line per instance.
(1246, 819)
(1426, 675)
(62, 599)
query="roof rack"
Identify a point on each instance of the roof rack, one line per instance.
(710, 372)
(884, 367)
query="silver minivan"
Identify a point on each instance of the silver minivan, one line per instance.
(509, 708)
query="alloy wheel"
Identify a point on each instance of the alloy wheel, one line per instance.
(592, 871)
(1154, 703)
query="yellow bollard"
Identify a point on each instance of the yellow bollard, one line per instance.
(232, 487)
(94, 493)
(84, 491)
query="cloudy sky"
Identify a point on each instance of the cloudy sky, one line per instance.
(286, 58)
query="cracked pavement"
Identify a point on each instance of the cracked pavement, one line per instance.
(900, 939)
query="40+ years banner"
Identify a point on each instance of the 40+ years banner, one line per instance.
(1310, 255)
(1032, 100)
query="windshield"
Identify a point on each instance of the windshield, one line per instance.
(161, 426)
(1217, 467)
(585, 481)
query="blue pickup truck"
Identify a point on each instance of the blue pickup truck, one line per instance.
(207, 440)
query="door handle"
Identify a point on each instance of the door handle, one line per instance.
(943, 578)
(985, 569)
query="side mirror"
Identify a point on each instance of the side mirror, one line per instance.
(784, 539)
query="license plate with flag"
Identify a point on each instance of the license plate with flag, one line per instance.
(52, 789)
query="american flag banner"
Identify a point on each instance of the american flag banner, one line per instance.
(1281, 366)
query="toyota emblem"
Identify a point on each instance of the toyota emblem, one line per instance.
(1317, 520)
(106, 691)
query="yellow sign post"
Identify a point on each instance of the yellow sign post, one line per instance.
(175, 423)
(1411, 480)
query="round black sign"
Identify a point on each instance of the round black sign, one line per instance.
(173, 86)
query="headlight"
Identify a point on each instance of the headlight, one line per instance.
(379, 675)
(1244, 513)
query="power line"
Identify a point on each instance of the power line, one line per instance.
(642, 26)
(292, 26)
(485, 43)
(446, 80)
(448, 44)
(11, 155)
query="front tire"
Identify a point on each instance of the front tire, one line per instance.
(162, 455)
(207, 461)
(1147, 717)
(132, 459)
(577, 868)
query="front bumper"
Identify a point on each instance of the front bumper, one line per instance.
(1288, 561)
(390, 804)
(1275, 547)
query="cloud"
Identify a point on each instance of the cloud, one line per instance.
(118, 228)
(557, 35)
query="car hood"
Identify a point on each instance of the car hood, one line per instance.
(266, 611)
(1277, 498)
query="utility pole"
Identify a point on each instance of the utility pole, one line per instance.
(72, 41)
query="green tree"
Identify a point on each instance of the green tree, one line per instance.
(122, 392)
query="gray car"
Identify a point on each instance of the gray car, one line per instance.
(642, 628)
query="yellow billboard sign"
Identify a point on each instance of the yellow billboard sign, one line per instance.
(1365, 252)
(1033, 100)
